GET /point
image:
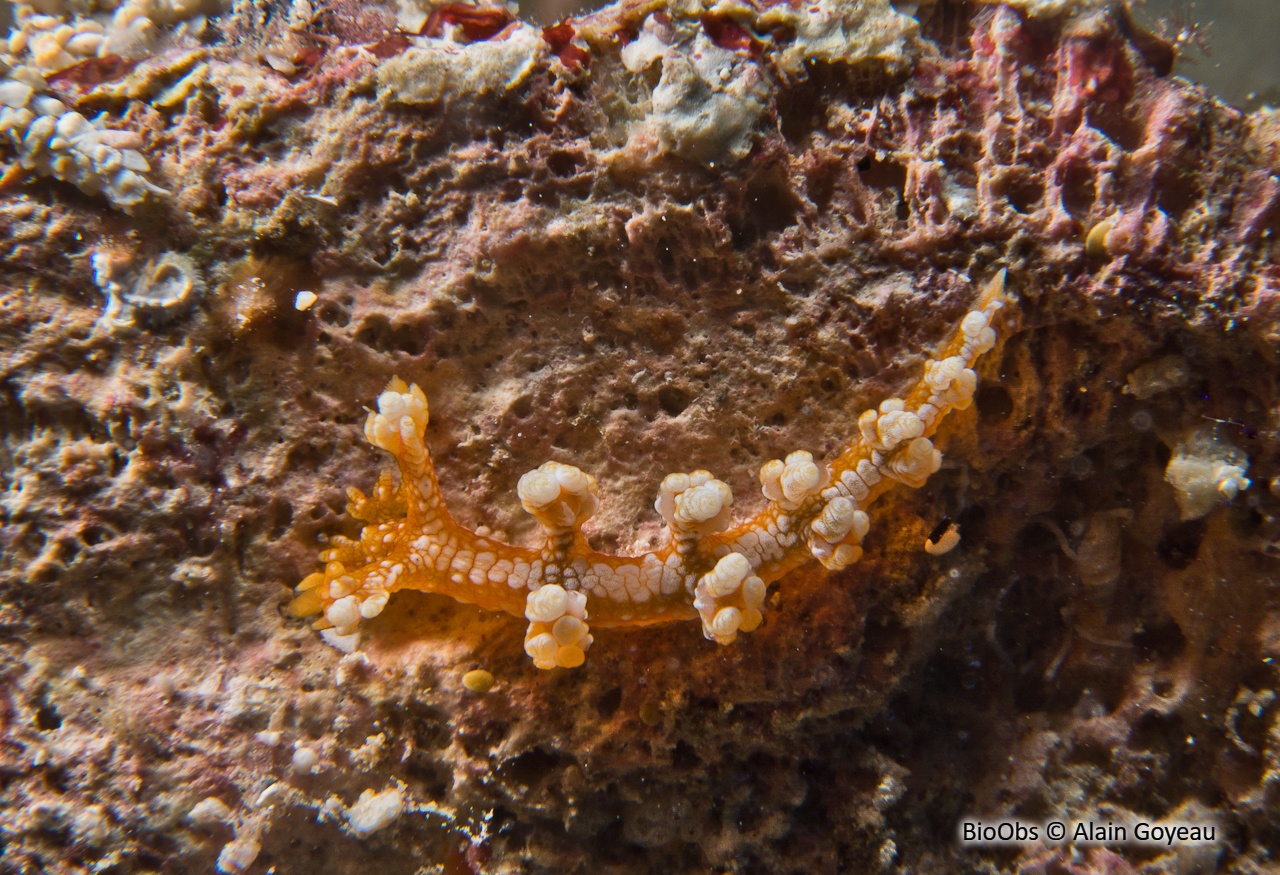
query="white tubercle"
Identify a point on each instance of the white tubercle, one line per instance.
(836, 519)
(979, 336)
(374, 604)
(836, 535)
(728, 599)
(546, 604)
(914, 464)
(538, 489)
(694, 503)
(898, 426)
(400, 408)
(344, 614)
(560, 496)
(953, 382)
(558, 635)
(792, 482)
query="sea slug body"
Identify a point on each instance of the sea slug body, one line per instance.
(706, 570)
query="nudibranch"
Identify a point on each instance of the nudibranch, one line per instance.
(705, 570)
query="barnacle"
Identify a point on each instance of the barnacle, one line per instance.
(706, 570)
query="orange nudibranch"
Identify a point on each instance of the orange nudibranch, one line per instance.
(706, 570)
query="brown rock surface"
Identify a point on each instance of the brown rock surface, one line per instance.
(665, 239)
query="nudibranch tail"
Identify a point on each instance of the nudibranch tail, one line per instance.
(703, 571)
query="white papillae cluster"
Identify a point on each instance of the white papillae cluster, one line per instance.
(720, 574)
(398, 428)
(728, 599)
(558, 636)
(835, 537)
(793, 481)
(51, 35)
(53, 139)
(402, 415)
(694, 504)
(560, 497)
(895, 435)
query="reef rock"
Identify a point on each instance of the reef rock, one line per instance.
(663, 237)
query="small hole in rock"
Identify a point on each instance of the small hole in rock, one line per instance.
(522, 406)
(673, 400)
(1180, 544)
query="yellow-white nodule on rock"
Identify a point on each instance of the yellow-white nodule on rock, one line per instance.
(946, 542)
(558, 635)
(375, 811)
(728, 599)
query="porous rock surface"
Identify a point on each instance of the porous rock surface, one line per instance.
(658, 238)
